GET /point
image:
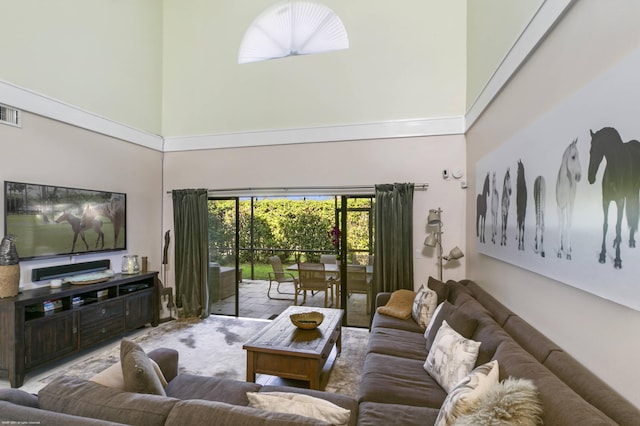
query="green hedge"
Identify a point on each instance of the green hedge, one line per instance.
(283, 227)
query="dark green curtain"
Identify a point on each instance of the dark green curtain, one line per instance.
(393, 265)
(190, 225)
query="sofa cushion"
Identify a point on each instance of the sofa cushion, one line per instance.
(451, 357)
(303, 405)
(200, 412)
(188, 386)
(19, 397)
(593, 389)
(377, 413)
(87, 399)
(467, 392)
(499, 312)
(424, 303)
(460, 321)
(441, 289)
(560, 403)
(399, 305)
(386, 321)
(401, 343)
(343, 401)
(395, 380)
(21, 415)
(137, 368)
(534, 342)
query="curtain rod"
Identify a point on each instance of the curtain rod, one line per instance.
(304, 190)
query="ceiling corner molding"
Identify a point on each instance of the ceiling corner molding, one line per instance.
(546, 17)
(54, 109)
(381, 130)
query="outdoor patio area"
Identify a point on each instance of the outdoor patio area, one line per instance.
(254, 303)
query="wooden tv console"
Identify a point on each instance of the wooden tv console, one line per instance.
(30, 337)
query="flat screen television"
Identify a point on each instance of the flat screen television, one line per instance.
(51, 221)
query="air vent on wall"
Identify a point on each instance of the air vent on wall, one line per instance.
(10, 116)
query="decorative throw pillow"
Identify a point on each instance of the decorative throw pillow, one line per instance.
(300, 404)
(112, 377)
(424, 304)
(463, 397)
(510, 402)
(451, 357)
(399, 304)
(442, 289)
(137, 370)
(459, 320)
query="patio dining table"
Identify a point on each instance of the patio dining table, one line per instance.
(332, 270)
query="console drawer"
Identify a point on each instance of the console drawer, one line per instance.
(101, 322)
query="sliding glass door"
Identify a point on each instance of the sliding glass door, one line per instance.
(355, 220)
(224, 273)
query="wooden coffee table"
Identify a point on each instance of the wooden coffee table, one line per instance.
(281, 349)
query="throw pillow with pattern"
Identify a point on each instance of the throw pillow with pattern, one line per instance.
(451, 357)
(424, 305)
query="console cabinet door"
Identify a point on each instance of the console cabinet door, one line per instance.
(51, 337)
(139, 309)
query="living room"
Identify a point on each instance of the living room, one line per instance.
(101, 104)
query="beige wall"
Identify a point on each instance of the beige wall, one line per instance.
(403, 63)
(102, 56)
(601, 334)
(418, 160)
(44, 151)
(493, 27)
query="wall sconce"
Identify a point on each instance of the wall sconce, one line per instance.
(434, 239)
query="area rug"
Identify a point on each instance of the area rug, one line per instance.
(213, 347)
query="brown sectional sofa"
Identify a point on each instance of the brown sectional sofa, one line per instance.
(395, 389)
(190, 400)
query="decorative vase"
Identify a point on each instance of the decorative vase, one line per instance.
(9, 267)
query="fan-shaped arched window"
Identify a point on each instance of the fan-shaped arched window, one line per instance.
(292, 28)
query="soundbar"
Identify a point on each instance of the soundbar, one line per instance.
(51, 272)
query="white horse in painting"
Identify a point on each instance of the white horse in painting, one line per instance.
(568, 177)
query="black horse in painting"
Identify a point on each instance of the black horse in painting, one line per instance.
(620, 183)
(481, 209)
(521, 203)
(539, 193)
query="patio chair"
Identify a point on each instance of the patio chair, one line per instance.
(280, 277)
(311, 276)
(333, 279)
(357, 281)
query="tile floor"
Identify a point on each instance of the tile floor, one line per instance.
(253, 303)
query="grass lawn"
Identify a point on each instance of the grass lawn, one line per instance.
(260, 270)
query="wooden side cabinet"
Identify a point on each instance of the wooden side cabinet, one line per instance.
(43, 325)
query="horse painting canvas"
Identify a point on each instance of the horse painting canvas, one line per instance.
(620, 184)
(521, 203)
(506, 198)
(569, 175)
(481, 209)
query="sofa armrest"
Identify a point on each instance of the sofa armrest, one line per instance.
(167, 360)
(382, 298)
